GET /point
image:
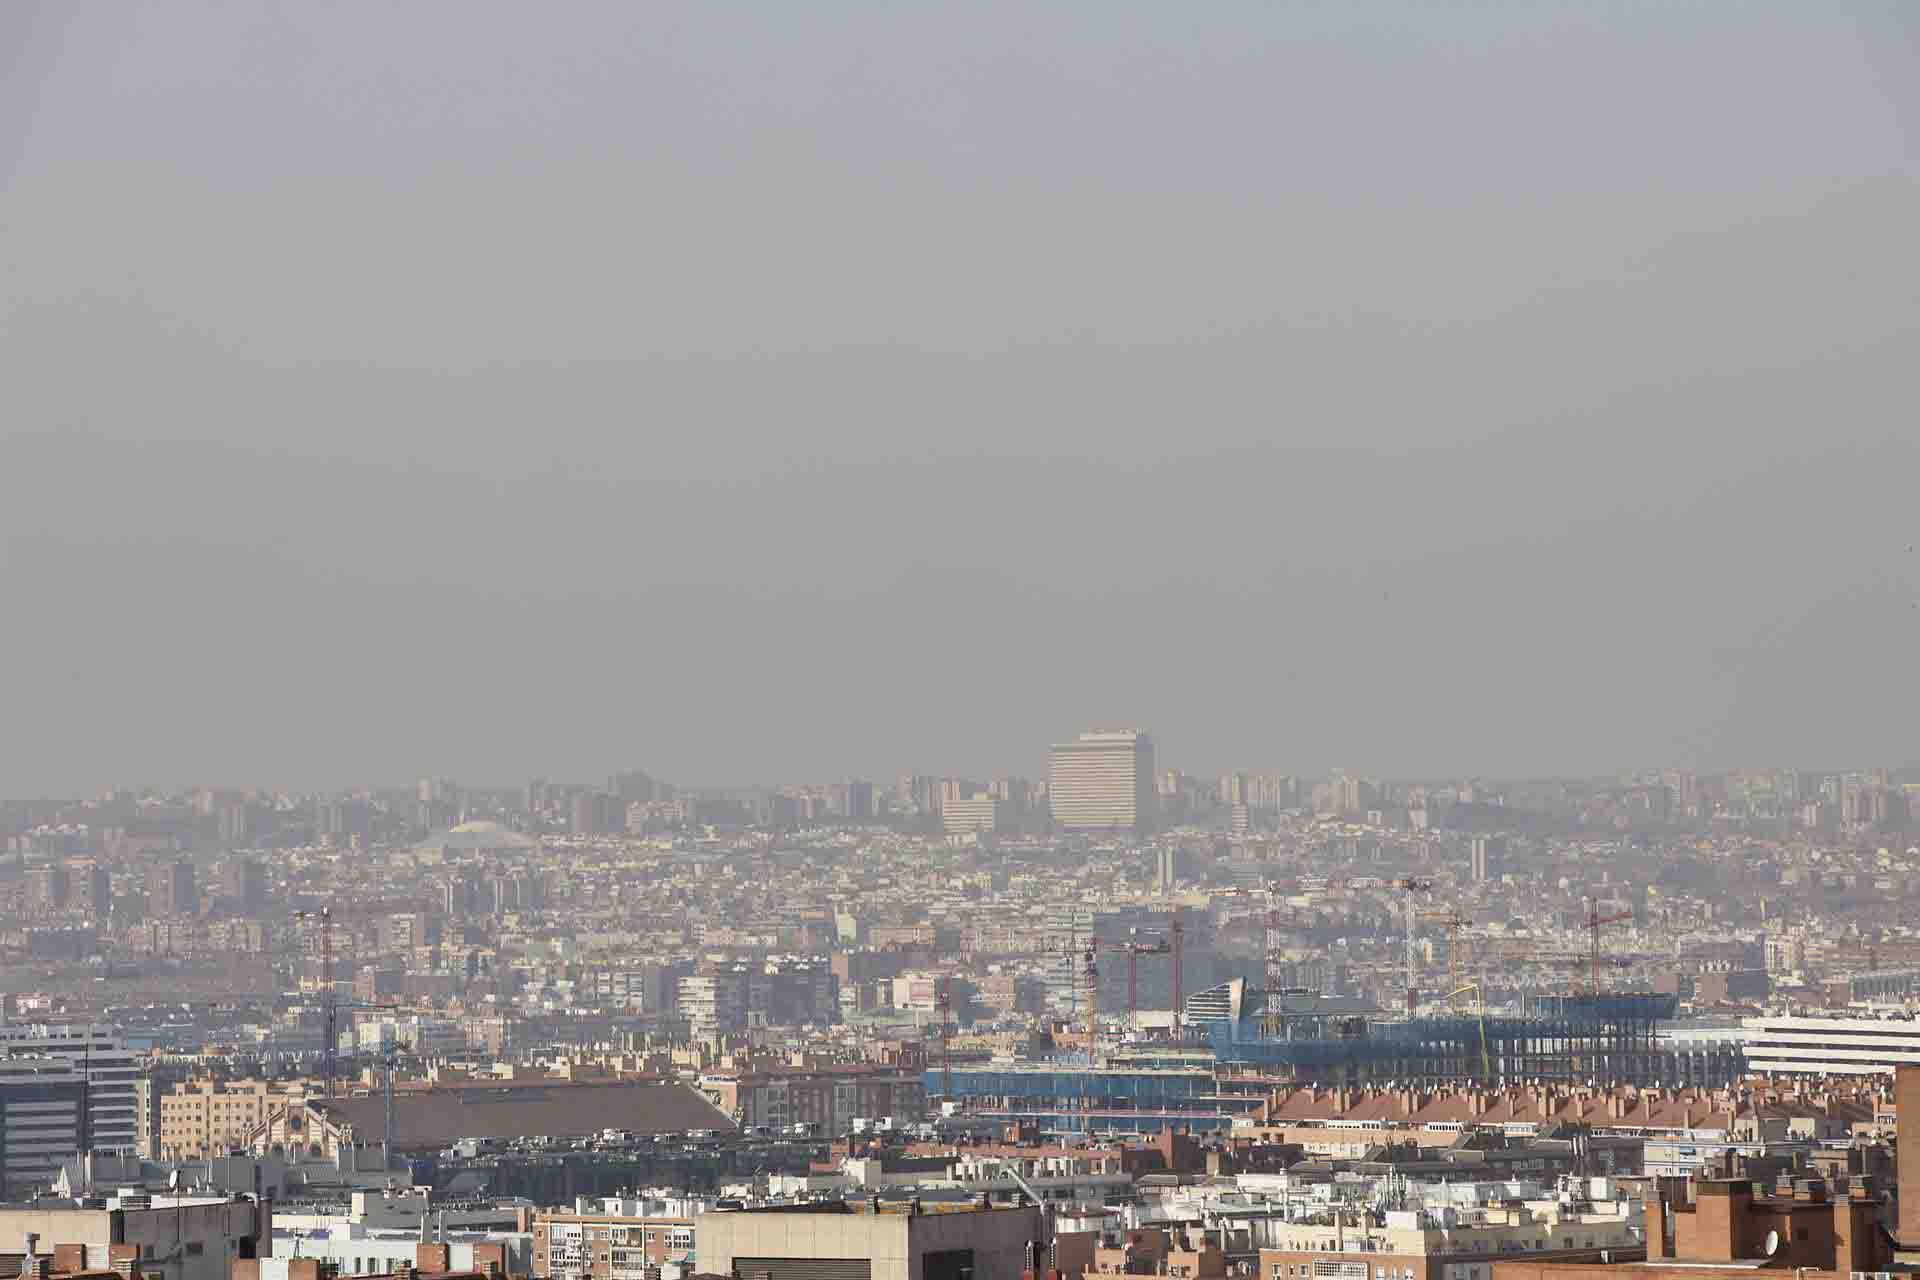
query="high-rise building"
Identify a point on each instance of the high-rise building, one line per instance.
(597, 813)
(859, 799)
(107, 1069)
(243, 882)
(41, 1103)
(1103, 780)
(92, 888)
(973, 813)
(1487, 853)
(48, 889)
(171, 890)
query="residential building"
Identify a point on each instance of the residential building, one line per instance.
(1455, 1240)
(831, 1097)
(243, 882)
(48, 889)
(200, 1118)
(715, 1004)
(609, 1246)
(171, 889)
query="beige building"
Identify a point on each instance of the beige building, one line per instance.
(831, 1243)
(209, 1117)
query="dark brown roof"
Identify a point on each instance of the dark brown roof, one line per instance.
(439, 1117)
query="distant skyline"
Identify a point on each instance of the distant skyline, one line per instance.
(799, 393)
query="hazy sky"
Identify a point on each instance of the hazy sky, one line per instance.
(789, 391)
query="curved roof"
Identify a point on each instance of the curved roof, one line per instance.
(478, 835)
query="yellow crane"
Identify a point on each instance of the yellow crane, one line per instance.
(1480, 1014)
(1453, 922)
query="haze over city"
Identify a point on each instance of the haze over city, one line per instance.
(851, 641)
(484, 390)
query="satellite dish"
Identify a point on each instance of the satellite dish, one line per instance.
(1772, 1245)
(173, 1180)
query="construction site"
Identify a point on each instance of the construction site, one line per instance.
(1223, 1051)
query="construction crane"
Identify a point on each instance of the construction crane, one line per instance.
(330, 1017)
(945, 1004)
(1271, 1024)
(1480, 1014)
(1413, 922)
(1134, 949)
(1093, 1004)
(1174, 932)
(1454, 922)
(1595, 921)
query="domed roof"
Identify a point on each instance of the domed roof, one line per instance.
(478, 835)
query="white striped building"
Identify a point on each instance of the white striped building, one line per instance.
(1830, 1046)
(1103, 780)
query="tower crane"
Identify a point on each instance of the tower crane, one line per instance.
(1594, 923)
(1453, 922)
(1411, 887)
(330, 1051)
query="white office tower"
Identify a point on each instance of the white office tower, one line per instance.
(1103, 780)
(108, 1068)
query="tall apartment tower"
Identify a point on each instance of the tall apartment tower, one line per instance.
(1103, 780)
(244, 883)
(172, 891)
(1486, 853)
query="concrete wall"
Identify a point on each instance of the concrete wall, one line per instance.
(1906, 1101)
(200, 1242)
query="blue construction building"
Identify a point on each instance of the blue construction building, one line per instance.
(1242, 1043)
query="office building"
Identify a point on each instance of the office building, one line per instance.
(1830, 1046)
(971, 814)
(1103, 780)
(171, 890)
(105, 1065)
(41, 1100)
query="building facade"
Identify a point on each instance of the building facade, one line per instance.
(1103, 781)
(598, 1246)
(1830, 1046)
(210, 1117)
(107, 1067)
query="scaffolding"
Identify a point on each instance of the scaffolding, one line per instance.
(1610, 1038)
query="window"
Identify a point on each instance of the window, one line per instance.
(1327, 1269)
